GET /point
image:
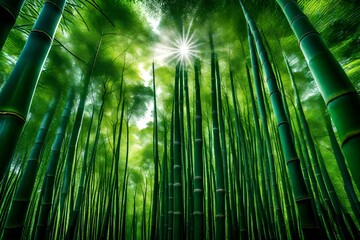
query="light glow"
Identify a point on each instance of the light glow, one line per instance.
(178, 47)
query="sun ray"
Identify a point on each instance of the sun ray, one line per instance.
(181, 47)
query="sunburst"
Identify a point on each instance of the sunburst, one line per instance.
(178, 47)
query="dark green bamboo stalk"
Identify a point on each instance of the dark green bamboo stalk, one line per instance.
(70, 234)
(178, 194)
(189, 160)
(164, 188)
(343, 170)
(303, 199)
(16, 217)
(220, 229)
(76, 130)
(9, 11)
(268, 156)
(143, 220)
(242, 223)
(330, 201)
(171, 176)
(223, 147)
(134, 226)
(17, 93)
(335, 87)
(259, 152)
(156, 165)
(198, 163)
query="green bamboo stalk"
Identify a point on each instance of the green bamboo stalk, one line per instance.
(164, 188)
(345, 232)
(171, 177)
(156, 165)
(17, 93)
(143, 220)
(124, 192)
(76, 132)
(220, 229)
(303, 199)
(269, 164)
(223, 147)
(232, 156)
(236, 155)
(259, 142)
(208, 190)
(189, 161)
(178, 194)
(70, 233)
(332, 206)
(335, 87)
(354, 202)
(16, 217)
(9, 11)
(133, 226)
(198, 163)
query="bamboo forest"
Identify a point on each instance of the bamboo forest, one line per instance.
(180, 119)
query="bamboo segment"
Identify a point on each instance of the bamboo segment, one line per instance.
(17, 93)
(9, 11)
(335, 87)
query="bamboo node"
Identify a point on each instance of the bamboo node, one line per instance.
(307, 34)
(302, 199)
(352, 135)
(220, 190)
(282, 123)
(177, 213)
(292, 160)
(42, 32)
(198, 213)
(177, 166)
(56, 5)
(8, 10)
(14, 114)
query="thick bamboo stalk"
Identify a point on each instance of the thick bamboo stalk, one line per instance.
(335, 86)
(17, 93)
